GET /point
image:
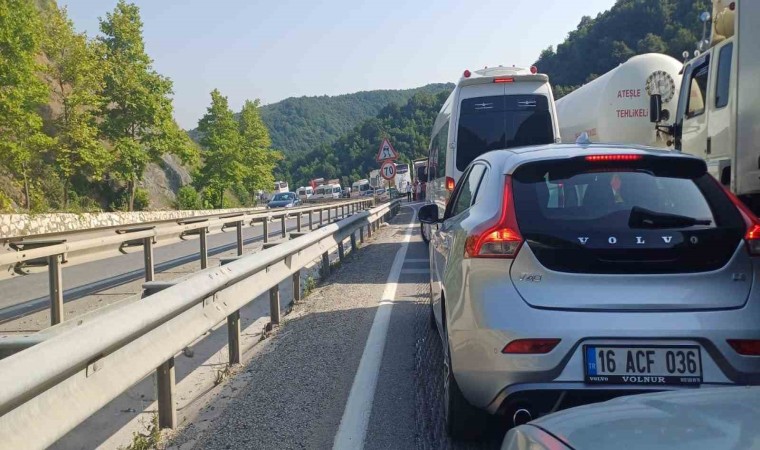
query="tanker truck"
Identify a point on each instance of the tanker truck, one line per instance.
(718, 113)
(615, 106)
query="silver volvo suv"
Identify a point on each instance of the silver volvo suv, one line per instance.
(566, 274)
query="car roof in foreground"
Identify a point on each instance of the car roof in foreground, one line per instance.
(520, 155)
(694, 419)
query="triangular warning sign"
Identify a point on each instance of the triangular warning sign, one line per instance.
(386, 152)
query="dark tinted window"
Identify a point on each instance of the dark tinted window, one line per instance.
(468, 189)
(497, 122)
(437, 159)
(616, 219)
(724, 76)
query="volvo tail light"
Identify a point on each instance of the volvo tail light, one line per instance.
(530, 346)
(498, 239)
(752, 236)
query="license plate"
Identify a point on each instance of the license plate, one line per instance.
(646, 365)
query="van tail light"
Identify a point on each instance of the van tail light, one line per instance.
(745, 347)
(500, 238)
(504, 80)
(450, 184)
(752, 236)
(530, 346)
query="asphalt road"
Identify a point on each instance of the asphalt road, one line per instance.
(29, 293)
(355, 362)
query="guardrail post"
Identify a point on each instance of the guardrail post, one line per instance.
(274, 304)
(341, 251)
(328, 214)
(165, 380)
(370, 226)
(320, 217)
(361, 235)
(233, 337)
(325, 265)
(204, 248)
(148, 258)
(239, 231)
(56, 289)
(311, 227)
(353, 241)
(265, 224)
(297, 286)
(298, 221)
(283, 226)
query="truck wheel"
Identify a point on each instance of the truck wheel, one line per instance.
(463, 421)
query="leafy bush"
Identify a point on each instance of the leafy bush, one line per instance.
(188, 198)
(142, 199)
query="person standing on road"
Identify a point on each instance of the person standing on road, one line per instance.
(418, 191)
(408, 192)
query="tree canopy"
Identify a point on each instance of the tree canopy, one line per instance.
(629, 28)
(352, 156)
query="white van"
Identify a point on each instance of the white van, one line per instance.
(489, 109)
(359, 188)
(327, 191)
(333, 191)
(305, 192)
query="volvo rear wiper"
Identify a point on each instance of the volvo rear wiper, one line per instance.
(644, 218)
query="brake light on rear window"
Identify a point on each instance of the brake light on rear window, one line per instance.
(752, 236)
(504, 80)
(601, 158)
(499, 239)
(745, 347)
(530, 346)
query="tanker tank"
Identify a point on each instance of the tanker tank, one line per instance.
(614, 108)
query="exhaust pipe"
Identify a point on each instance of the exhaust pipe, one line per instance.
(521, 416)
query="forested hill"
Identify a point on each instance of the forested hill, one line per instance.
(629, 28)
(352, 156)
(302, 124)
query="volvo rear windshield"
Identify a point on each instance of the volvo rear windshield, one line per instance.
(641, 217)
(499, 122)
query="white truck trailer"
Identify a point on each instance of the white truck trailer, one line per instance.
(718, 114)
(615, 106)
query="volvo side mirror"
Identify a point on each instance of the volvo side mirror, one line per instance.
(428, 214)
(655, 108)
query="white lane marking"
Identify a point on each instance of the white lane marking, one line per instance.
(353, 424)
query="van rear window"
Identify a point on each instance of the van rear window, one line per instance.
(499, 122)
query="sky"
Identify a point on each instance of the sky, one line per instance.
(276, 49)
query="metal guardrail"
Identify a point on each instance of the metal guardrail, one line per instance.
(54, 252)
(53, 386)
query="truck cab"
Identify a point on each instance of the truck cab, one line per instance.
(719, 103)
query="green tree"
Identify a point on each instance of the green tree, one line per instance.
(22, 92)
(74, 70)
(137, 109)
(223, 159)
(258, 158)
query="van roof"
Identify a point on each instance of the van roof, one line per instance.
(488, 74)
